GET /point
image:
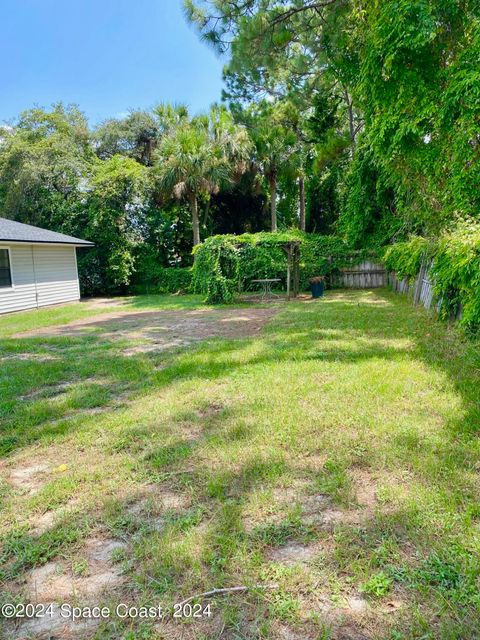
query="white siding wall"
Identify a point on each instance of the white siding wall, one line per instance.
(22, 295)
(56, 273)
(53, 268)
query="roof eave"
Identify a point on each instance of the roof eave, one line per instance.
(49, 242)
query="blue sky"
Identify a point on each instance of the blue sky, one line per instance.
(107, 56)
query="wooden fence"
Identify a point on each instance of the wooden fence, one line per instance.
(365, 275)
(420, 289)
(369, 275)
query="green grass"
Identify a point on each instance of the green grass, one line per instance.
(348, 427)
(14, 323)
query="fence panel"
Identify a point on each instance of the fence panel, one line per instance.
(422, 288)
(365, 275)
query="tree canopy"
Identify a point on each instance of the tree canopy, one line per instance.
(398, 80)
(354, 118)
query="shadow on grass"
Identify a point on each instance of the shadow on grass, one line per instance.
(344, 328)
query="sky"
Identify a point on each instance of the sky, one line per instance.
(106, 56)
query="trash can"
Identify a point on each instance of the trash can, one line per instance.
(317, 288)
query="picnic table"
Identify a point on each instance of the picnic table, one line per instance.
(266, 284)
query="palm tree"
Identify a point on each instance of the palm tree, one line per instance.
(197, 157)
(275, 146)
(170, 116)
(297, 172)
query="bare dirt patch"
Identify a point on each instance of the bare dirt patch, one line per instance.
(104, 303)
(153, 504)
(54, 627)
(29, 478)
(161, 330)
(321, 515)
(365, 488)
(204, 627)
(52, 391)
(283, 632)
(293, 553)
(317, 510)
(211, 410)
(41, 522)
(37, 357)
(55, 581)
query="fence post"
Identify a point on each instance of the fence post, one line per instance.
(419, 284)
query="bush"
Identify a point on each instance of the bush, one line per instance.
(324, 255)
(166, 280)
(405, 258)
(456, 270)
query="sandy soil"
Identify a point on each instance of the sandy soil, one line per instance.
(160, 330)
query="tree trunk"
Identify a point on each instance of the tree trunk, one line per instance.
(195, 221)
(351, 117)
(205, 214)
(301, 195)
(273, 201)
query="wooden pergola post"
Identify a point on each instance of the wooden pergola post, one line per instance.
(296, 270)
(289, 258)
(292, 250)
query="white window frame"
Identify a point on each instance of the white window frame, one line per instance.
(12, 285)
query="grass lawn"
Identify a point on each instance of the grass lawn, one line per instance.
(330, 463)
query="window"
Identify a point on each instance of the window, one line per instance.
(5, 270)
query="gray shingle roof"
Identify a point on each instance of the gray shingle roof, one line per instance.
(17, 232)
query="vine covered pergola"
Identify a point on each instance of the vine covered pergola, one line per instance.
(226, 265)
(292, 251)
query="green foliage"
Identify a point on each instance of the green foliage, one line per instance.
(378, 585)
(254, 256)
(260, 261)
(366, 219)
(322, 199)
(165, 280)
(115, 207)
(405, 258)
(392, 87)
(324, 255)
(456, 270)
(325, 114)
(134, 136)
(442, 572)
(418, 88)
(199, 156)
(216, 269)
(44, 162)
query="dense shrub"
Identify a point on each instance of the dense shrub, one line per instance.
(261, 256)
(166, 280)
(324, 255)
(456, 270)
(405, 258)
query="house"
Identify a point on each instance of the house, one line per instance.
(37, 267)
